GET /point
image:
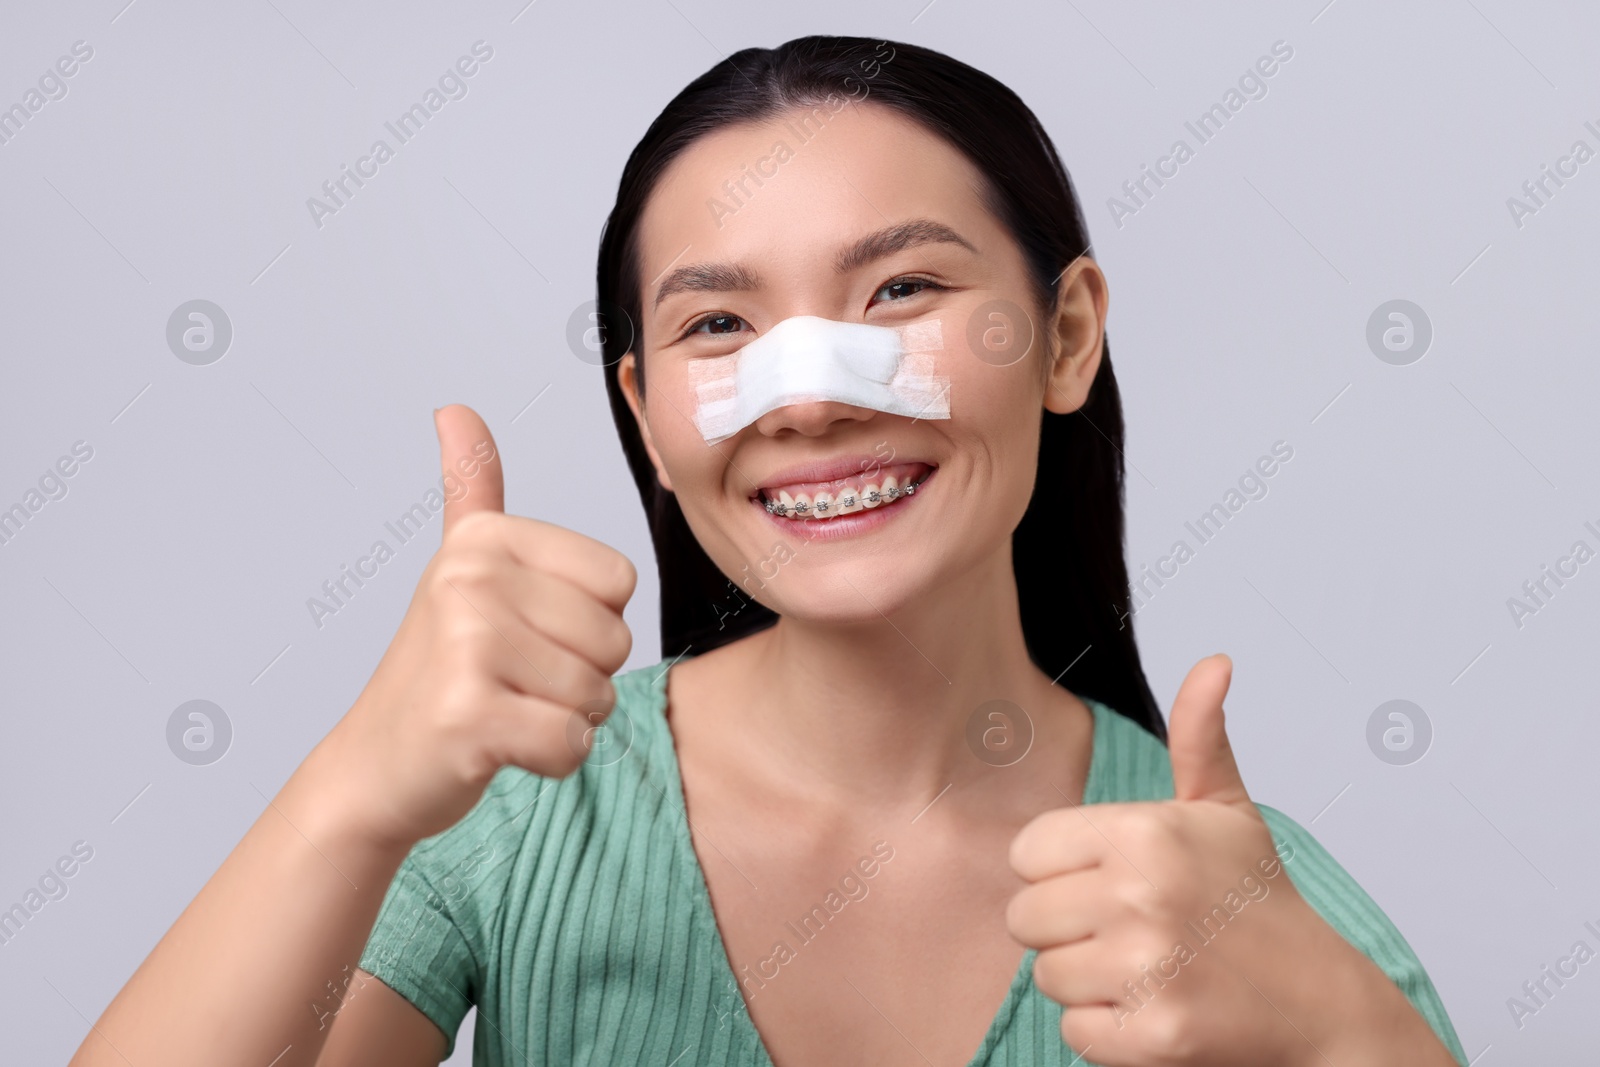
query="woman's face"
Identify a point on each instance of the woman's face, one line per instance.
(860, 216)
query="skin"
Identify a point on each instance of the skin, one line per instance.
(796, 754)
(802, 746)
(515, 627)
(785, 737)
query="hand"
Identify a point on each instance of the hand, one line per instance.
(1164, 927)
(505, 656)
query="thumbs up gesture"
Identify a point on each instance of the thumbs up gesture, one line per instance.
(1120, 906)
(504, 656)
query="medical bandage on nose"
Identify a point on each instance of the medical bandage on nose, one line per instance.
(807, 358)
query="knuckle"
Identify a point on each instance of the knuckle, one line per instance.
(1059, 822)
(577, 685)
(1143, 898)
(564, 761)
(599, 699)
(464, 633)
(459, 711)
(624, 575)
(567, 675)
(1020, 855)
(474, 762)
(558, 763)
(1170, 1031)
(586, 720)
(472, 527)
(1073, 1033)
(1147, 830)
(541, 739)
(465, 566)
(561, 749)
(590, 710)
(437, 579)
(460, 727)
(1043, 837)
(1019, 913)
(1168, 816)
(1031, 913)
(540, 584)
(621, 641)
(454, 586)
(606, 694)
(1147, 949)
(1025, 846)
(1049, 973)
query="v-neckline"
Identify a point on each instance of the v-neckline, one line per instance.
(1020, 981)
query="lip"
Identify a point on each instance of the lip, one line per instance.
(821, 472)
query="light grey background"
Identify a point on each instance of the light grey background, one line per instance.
(1418, 500)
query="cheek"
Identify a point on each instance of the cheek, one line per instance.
(669, 404)
(995, 409)
(707, 487)
(994, 396)
(992, 375)
(994, 435)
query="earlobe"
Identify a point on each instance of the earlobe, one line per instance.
(1067, 389)
(1077, 336)
(628, 380)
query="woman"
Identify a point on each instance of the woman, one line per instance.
(898, 791)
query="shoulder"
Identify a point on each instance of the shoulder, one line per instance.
(439, 928)
(1340, 900)
(1128, 763)
(1349, 909)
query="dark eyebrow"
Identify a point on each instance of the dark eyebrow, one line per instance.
(737, 277)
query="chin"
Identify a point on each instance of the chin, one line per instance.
(849, 596)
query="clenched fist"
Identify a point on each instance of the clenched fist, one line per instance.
(505, 656)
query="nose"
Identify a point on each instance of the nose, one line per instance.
(810, 418)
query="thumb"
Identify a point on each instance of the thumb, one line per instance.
(472, 479)
(1203, 767)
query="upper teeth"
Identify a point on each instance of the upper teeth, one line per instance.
(849, 499)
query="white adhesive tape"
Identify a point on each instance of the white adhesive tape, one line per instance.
(807, 358)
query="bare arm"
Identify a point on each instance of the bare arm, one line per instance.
(515, 625)
(243, 975)
(380, 1028)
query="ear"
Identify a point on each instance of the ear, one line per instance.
(1077, 334)
(629, 381)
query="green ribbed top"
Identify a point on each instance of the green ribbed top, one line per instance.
(574, 912)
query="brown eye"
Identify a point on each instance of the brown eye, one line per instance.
(721, 320)
(904, 285)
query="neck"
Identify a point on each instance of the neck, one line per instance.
(879, 711)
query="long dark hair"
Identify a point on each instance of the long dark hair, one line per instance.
(1068, 549)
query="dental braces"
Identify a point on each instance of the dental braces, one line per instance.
(822, 506)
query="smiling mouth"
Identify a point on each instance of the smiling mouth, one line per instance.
(814, 501)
